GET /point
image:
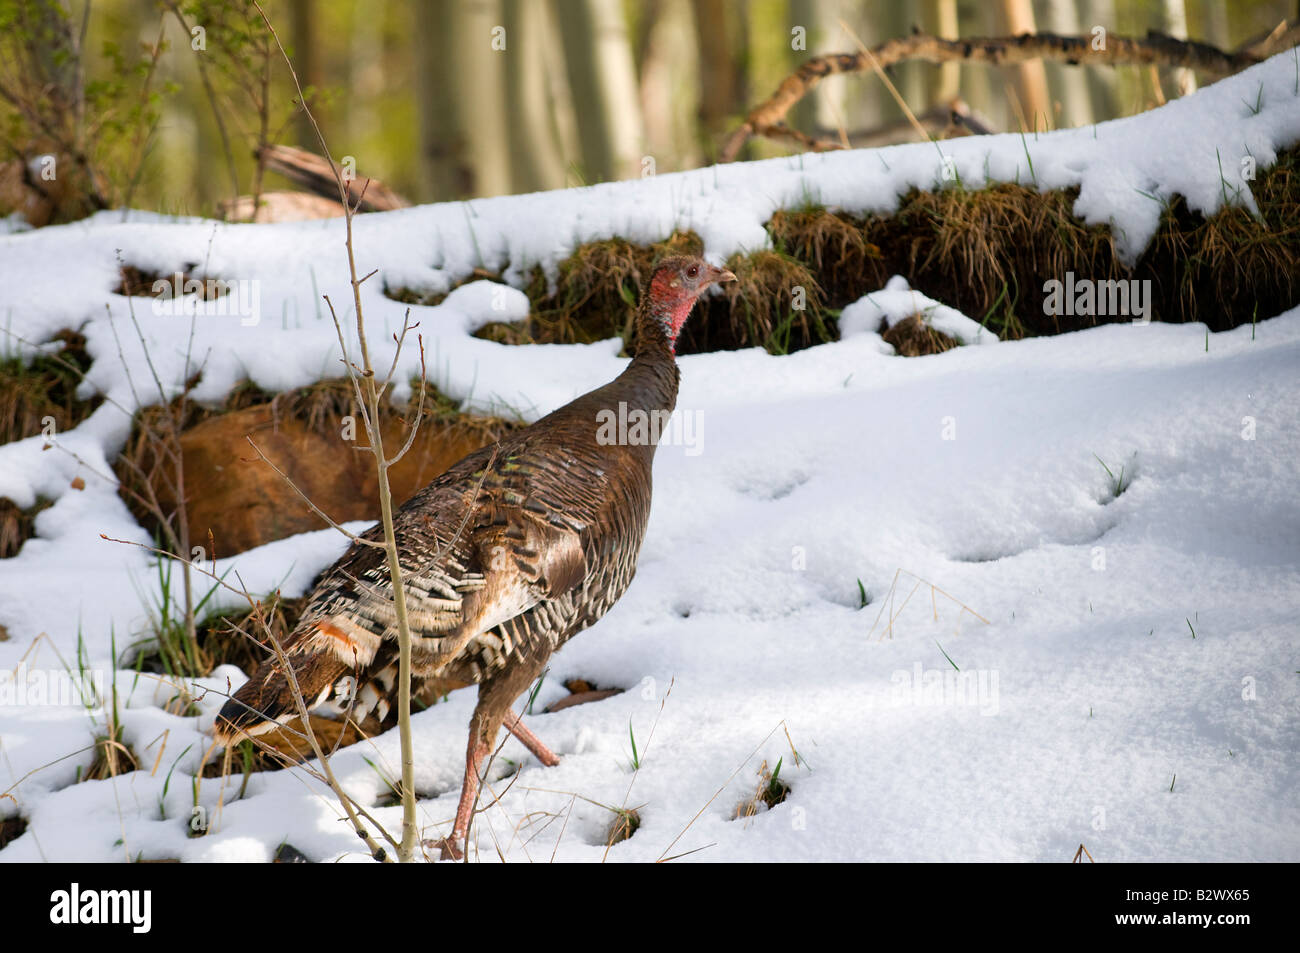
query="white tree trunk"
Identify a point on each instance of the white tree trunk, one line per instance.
(1068, 85)
(1214, 23)
(1175, 24)
(536, 162)
(670, 87)
(1103, 84)
(602, 81)
(828, 106)
(939, 18)
(1026, 82)
(460, 85)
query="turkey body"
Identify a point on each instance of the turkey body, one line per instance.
(505, 556)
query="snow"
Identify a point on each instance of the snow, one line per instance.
(1124, 677)
(898, 301)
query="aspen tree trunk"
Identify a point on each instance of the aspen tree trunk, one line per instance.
(1175, 24)
(536, 162)
(602, 81)
(445, 172)
(909, 78)
(1028, 81)
(1214, 23)
(827, 107)
(942, 82)
(184, 156)
(460, 57)
(670, 85)
(1071, 100)
(306, 63)
(718, 26)
(1103, 84)
(978, 81)
(559, 98)
(365, 77)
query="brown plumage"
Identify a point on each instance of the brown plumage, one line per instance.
(505, 557)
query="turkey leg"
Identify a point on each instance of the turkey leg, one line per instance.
(515, 725)
(474, 757)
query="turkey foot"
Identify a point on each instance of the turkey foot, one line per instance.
(450, 847)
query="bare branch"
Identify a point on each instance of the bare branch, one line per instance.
(400, 339)
(419, 407)
(768, 118)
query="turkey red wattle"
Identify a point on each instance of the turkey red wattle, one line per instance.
(676, 285)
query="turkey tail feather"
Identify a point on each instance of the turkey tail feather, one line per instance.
(267, 700)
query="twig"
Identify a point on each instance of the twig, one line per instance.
(377, 852)
(893, 616)
(768, 118)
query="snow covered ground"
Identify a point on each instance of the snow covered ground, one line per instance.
(1127, 664)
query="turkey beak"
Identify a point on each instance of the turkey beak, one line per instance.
(719, 275)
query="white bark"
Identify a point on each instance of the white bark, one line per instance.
(1175, 24)
(1103, 85)
(1027, 82)
(670, 87)
(1068, 85)
(460, 81)
(536, 162)
(602, 81)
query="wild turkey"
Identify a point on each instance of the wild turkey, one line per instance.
(505, 557)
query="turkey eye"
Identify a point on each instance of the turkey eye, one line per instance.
(692, 271)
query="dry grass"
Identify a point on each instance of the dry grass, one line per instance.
(776, 303)
(987, 253)
(224, 639)
(913, 337)
(596, 294)
(769, 792)
(835, 246)
(112, 757)
(626, 823)
(17, 525)
(11, 828)
(137, 283)
(45, 387)
(32, 396)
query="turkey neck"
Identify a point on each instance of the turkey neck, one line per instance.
(651, 379)
(648, 384)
